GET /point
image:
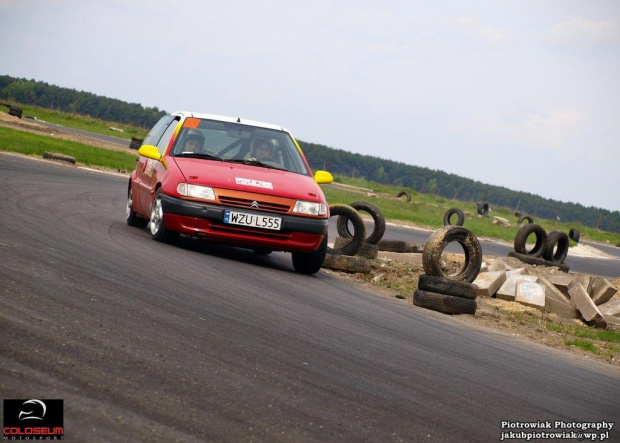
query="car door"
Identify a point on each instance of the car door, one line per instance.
(144, 166)
(154, 171)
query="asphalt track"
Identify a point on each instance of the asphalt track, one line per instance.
(106, 138)
(147, 341)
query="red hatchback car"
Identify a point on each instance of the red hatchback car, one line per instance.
(230, 181)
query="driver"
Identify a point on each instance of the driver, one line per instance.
(194, 142)
(263, 148)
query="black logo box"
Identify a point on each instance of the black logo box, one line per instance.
(53, 413)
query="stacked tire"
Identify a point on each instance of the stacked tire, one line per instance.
(449, 294)
(15, 111)
(341, 256)
(135, 143)
(549, 249)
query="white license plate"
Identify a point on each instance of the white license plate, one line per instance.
(256, 221)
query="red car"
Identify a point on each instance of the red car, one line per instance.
(230, 181)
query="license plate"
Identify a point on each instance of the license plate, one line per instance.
(253, 220)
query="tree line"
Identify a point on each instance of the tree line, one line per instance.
(423, 180)
(32, 92)
(451, 186)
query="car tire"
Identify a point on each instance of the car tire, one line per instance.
(310, 262)
(574, 235)
(559, 239)
(538, 261)
(521, 238)
(525, 217)
(392, 245)
(375, 213)
(448, 215)
(366, 251)
(483, 209)
(446, 286)
(447, 304)
(135, 143)
(347, 263)
(405, 194)
(349, 214)
(437, 242)
(157, 226)
(15, 111)
(132, 217)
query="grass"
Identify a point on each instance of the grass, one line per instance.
(82, 122)
(26, 143)
(427, 210)
(583, 344)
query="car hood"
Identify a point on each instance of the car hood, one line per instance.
(248, 178)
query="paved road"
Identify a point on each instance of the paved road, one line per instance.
(105, 138)
(602, 267)
(147, 341)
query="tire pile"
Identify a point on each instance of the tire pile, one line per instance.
(135, 143)
(13, 110)
(549, 250)
(453, 294)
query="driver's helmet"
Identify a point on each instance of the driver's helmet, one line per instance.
(194, 142)
(263, 147)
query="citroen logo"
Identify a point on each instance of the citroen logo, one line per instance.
(254, 204)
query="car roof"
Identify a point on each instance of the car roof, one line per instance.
(223, 118)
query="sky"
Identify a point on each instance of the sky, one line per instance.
(523, 94)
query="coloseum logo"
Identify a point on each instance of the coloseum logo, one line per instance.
(33, 419)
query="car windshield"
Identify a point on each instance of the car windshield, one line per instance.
(239, 143)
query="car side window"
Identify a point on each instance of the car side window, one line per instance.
(158, 130)
(165, 139)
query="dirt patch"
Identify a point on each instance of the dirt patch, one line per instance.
(390, 278)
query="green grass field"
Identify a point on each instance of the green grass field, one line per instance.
(82, 122)
(427, 210)
(26, 143)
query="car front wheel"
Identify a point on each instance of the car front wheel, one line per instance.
(159, 232)
(310, 262)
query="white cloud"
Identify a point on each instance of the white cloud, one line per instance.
(585, 34)
(472, 28)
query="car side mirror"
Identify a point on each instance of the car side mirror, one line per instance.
(150, 151)
(323, 177)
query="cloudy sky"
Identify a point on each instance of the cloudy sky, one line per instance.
(523, 94)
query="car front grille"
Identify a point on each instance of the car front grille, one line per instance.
(247, 204)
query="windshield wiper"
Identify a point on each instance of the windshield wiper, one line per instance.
(254, 162)
(198, 155)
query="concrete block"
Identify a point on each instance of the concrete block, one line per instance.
(497, 266)
(531, 294)
(508, 291)
(484, 267)
(561, 281)
(613, 323)
(581, 300)
(411, 258)
(602, 290)
(612, 307)
(500, 221)
(551, 291)
(584, 280)
(489, 282)
(520, 271)
(560, 309)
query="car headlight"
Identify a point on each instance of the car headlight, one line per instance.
(310, 208)
(196, 191)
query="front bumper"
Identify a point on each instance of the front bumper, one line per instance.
(206, 221)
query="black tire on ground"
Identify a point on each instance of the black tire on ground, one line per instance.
(483, 208)
(517, 214)
(377, 217)
(359, 234)
(157, 225)
(551, 253)
(574, 235)
(347, 263)
(310, 262)
(366, 251)
(448, 304)
(521, 238)
(448, 215)
(448, 287)
(135, 143)
(59, 156)
(15, 111)
(132, 217)
(437, 242)
(392, 245)
(414, 247)
(404, 194)
(525, 217)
